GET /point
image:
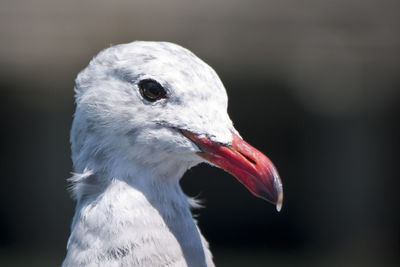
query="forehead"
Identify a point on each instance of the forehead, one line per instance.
(162, 52)
(170, 64)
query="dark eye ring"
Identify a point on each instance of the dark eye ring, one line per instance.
(151, 90)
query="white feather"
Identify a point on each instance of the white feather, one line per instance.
(128, 157)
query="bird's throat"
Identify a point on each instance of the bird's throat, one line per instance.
(136, 222)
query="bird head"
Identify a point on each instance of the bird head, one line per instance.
(158, 106)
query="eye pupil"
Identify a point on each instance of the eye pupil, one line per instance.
(151, 90)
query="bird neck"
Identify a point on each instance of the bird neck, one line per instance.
(136, 219)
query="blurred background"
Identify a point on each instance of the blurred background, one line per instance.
(314, 84)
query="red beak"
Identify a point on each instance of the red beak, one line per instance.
(251, 167)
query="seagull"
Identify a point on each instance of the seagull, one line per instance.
(145, 113)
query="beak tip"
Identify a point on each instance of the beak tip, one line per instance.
(279, 202)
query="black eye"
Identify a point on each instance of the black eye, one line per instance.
(151, 90)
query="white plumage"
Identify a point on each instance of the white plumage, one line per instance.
(129, 154)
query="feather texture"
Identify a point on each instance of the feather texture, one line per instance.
(128, 156)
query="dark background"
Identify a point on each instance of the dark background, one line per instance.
(314, 84)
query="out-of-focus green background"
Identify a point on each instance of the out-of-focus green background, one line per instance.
(314, 84)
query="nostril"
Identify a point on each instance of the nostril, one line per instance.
(248, 158)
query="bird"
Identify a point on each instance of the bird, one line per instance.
(145, 113)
